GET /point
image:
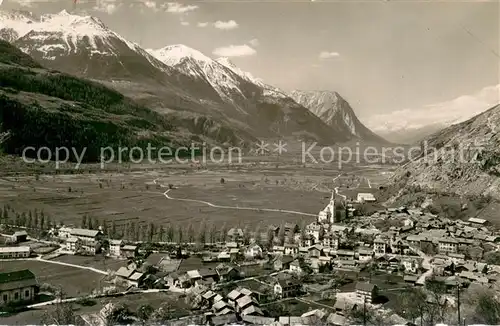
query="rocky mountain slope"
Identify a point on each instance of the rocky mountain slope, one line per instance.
(42, 108)
(412, 125)
(201, 94)
(463, 159)
(336, 112)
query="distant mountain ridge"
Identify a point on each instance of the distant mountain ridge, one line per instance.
(413, 125)
(336, 112)
(201, 94)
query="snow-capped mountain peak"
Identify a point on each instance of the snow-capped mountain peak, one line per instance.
(62, 33)
(225, 61)
(335, 111)
(175, 54)
(243, 74)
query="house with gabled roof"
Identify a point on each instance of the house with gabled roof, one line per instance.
(366, 291)
(17, 286)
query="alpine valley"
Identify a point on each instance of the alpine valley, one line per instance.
(206, 100)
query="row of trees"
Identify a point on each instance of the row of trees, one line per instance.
(137, 230)
(33, 219)
(431, 305)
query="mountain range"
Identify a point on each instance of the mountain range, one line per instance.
(210, 98)
(457, 172)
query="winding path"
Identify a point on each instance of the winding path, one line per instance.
(230, 207)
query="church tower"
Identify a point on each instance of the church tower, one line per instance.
(331, 207)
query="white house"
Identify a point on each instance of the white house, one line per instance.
(365, 197)
(365, 254)
(410, 265)
(447, 245)
(64, 232)
(253, 251)
(379, 246)
(291, 249)
(314, 230)
(115, 248)
(330, 240)
(72, 245)
(15, 252)
(295, 267)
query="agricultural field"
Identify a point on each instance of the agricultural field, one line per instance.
(98, 261)
(73, 281)
(133, 195)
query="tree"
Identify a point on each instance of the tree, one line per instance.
(62, 314)
(35, 220)
(161, 234)
(202, 234)
(223, 233)
(29, 222)
(42, 220)
(270, 238)
(437, 291)
(246, 235)
(212, 233)
(144, 313)
(113, 230)
(162, 314)
(303, 232)
(412, 304)
(487, 309)
(222, 181)
(151, 231)
(84, 221)
(281, 234)
(23, 220)
(180, 234)
(170, 233)
(143, 232)
(258, 236)
(190, 233)
(105, 228)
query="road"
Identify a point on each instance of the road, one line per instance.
(276, 210)
(92, 269)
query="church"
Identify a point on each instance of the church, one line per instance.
(327, 215)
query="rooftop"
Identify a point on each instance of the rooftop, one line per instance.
(14, 249)
(17, 279)
(85, 232)
(365, 287)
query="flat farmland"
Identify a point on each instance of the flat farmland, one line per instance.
(127, 196)
(73, 281)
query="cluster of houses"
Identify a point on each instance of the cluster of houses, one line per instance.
(392, 240)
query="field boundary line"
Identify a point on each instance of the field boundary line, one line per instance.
(92, 269)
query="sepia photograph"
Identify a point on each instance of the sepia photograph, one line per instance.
(250, 162)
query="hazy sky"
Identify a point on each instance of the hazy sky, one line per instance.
(382, 56)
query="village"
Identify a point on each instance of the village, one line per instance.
(340, 269)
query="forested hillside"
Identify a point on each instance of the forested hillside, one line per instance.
(45, 108)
